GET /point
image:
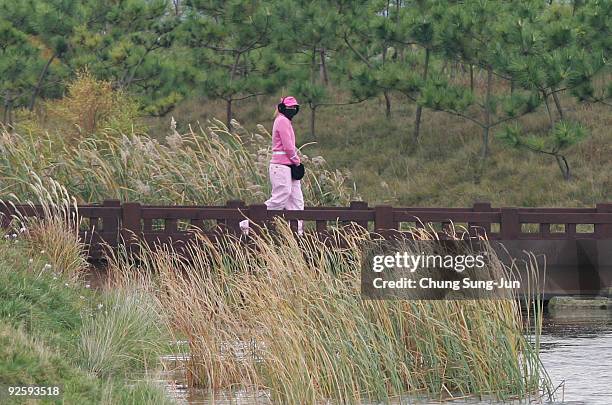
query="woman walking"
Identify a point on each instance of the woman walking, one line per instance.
(286, 191)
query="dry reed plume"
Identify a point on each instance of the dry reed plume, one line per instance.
(203, 166)
(55, 230)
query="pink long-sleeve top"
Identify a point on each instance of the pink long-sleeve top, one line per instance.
(283, 140)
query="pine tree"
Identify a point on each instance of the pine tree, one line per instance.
(470, 33)
(129, 43)
(230, 41)
(560, 49)
(48, 26)
(417, 27)
(366, 35)
(553, 143)
(592, 45)
(305, 34)
(19, 64)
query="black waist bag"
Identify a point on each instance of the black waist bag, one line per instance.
(297, 171)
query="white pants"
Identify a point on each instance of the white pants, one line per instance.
(286, 194)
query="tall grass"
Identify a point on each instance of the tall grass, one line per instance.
(207, 166)
(125, 333)
(286, 315)
(55, 233)
(141, 393)
(61, 332)
(94, 145)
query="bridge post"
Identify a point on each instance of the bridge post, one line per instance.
(477, 226)
(383, 220)
(603, 231)
(258, 214)
(360, 205)
(110, 228)
(233, 225)
(110, 223)
(510, 226)
(6, 214)
(131, 228)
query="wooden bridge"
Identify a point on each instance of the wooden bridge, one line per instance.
(580, 238)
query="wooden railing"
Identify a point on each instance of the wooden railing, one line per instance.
(112, 221)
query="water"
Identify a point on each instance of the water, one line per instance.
(576, 351)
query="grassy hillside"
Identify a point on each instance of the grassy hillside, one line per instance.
(47, 323)
(442, 171)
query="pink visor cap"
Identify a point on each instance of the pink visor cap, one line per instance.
(289, 101)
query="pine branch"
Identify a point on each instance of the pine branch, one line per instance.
(356, 52)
